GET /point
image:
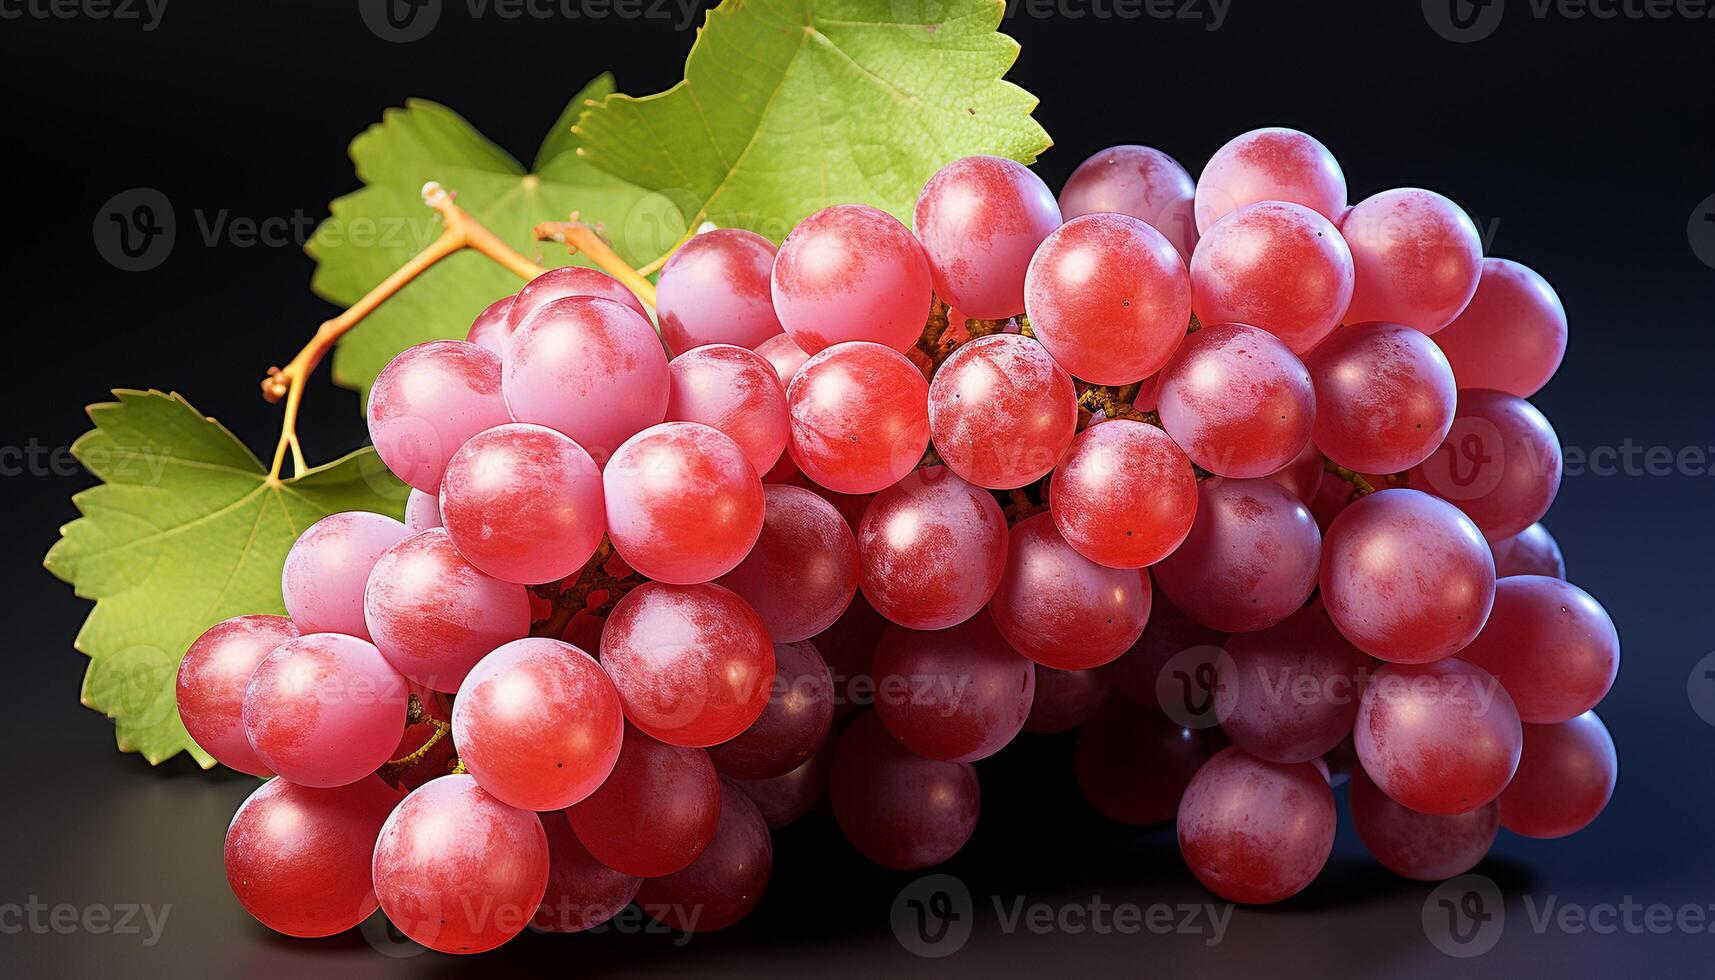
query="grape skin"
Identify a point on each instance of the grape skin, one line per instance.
(328, 567)
(684, 504)
(980, 219)
(1303, 475)
(1422, 846)
(851, 273)
(1511, 336)
(1270, 164)
(422, 510)
(1551, 645)
(801, 574)
(1532, 551)
(1289, 693)
(1001, 411)
(523, 503)
(492, 329)
(932, 550)
(725, 881)
(324, 709)
(1385, 397)
(1256, 832)
(1250, 560)
(1141, 674)
(1276, 266)
(1565, 777)
(784, 356)
(655, 813)
(734, 391)
(958, 694)
(1500, 463)
(783, 800)
(427, 401)
(1139, 181)
(1417, 259)
(211, 680)
(566, 282)
(1062, 610)
(898, 809)
(860, 417)
(1237, 401)
(792, 726)
(582, 893)
(716, 290)
(1098, 499)
(1440, 738)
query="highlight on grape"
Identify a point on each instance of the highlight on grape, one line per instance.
(1185, 467)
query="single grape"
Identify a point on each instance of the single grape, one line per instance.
(212, 677)
(1270, 165)
(422, 510)
(459, 871)
(849, 648)
(1565, 777)
(1512, 334)
(684, 504)
(1250, 559)
(1280, 267)
(1132, 763)
(725, 881)
(692, 663)
(1532, 551)
(1065, 699)
(803, 570)
(589, 368)
(980, 218)
(1384, 397)
(523, 503)
(932, 549)
(1551, 645)
(328, 566)
(1424, 846)
(734, 391)
(792, 726)
(715, 290)
(1001, 411)
(1417, 259)
(564, 283)
(958, 694)
(1140, 181)
(324, 709)
(1500, 463)
(656, 811)
(786, 799)
(1124, 495)
(434, 615)
(1440, 738)
(784, 356)
(1406, 577)
(1253, 831)
(427, 401)
(297, 857)
(1303, 476)
(582, 892)
(491, 328)
(1109, 297)
(851, 272)
(1237, 401)
(1172, 665)
(897, 808)
(1059, 608)
(1289, 693)
(860, 417)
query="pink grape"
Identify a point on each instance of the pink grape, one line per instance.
(803, 570)
(1565, 777)
(1250, 559)
(860, 417)
(491, 329)
(1172, 665)
(692, 663)
(958, 694)
(1512, 334)
(211, 681)
(1280, 267)
(784, 356)
(655, 813)
(566, 282)
(1065, 699)
(1106, 756)
(1384, 397)
(1270, 165)
(980, 219)
(538, 724)
(427, 401)
(1303, 475)
(1289, 693)
(1124, 495)
(523, 503)
(422, 510)
(734, 391)
(434, 615)
(1439, 738)
(1417, 259)
(715, 290)
(1140, 181)
(725, 881)
(1532, 551)
(582, 892)
(1001, 411)
(590, 369)
(932, 550)
(785, 800)
(1253, 831)
(297, 857)
(684, 503)
(898, 809)
(324, 709)
(1062, 610)
(1406, 577)
(1500, 463)
(851, 272)
(459, 871)
(1109, 297)
(1551, 645)
(329, 565)
(1423, 846)
(1237, 401)
(794, 724)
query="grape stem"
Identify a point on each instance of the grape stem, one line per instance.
(571, 595)
(578, 236)
(461, 232)
(1113, 402)
(1361, 484)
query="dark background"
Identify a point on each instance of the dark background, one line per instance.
(1581, 146)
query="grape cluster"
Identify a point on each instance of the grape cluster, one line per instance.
(1234, 478)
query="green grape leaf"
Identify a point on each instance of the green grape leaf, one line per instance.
(184, 530)
(789, 106)
(375, 230)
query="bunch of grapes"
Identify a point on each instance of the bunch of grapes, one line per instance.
(1236, 479)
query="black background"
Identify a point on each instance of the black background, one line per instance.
(1580, 145)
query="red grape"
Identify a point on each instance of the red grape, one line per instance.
(860, 417)
(684, 504)
(1140, 181)
(794, 724)
(211, 681)
(1439, 738)
(785, 799)
(1424, 846)
(725, 881)
(1551, 645)
(715, 290)
(566, 282)
(1001, 411)
(849, 648)
(1062, 610)
(523, 503)
(582, 892)
(958, 694)
(932, 550)
(1417, 258)
(427, 401)
(1500, 463)
(1124, 495)
(980, 219)
(1172, 665)
(656, 811)
(1565, 778)
(1270, 165)
(1276, 266)
(897, 808)
(324, 709)
(328, 566)
(1255, 831)
(1250, 559)
(1065, 699)
(1532, 551)
(851, 272)
(784, 356)
(735, 391)
(1511, 336)
(490, 328)
(803, 570)
(1289, 693)
(1384, 397)
(1303, 475)
(1237, 401)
